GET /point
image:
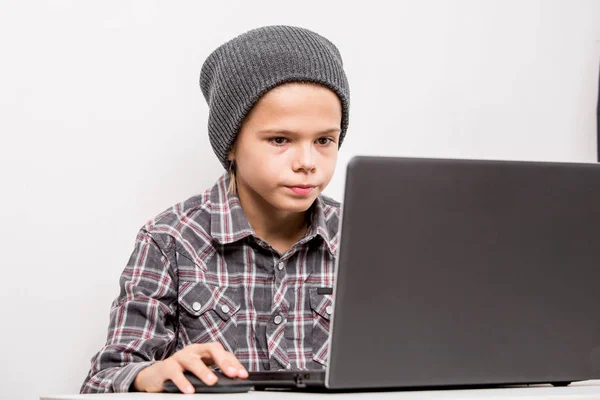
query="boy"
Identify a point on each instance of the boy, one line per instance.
(229, 278)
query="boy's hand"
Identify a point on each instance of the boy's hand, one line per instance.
(194, 358)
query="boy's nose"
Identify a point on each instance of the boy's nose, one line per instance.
(305, 159)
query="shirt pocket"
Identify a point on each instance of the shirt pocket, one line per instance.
(322, 308)
(209, 314)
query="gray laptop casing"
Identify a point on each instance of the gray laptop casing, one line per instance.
(466, 272)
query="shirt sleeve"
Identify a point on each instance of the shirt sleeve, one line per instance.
(143, 320)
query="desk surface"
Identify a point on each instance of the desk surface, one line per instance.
(579, 390)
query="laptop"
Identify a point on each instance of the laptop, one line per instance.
(460, 273)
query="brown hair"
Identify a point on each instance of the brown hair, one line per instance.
(232, 188)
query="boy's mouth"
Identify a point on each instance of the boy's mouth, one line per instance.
(301, 190)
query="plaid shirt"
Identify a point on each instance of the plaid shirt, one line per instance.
(199, 274)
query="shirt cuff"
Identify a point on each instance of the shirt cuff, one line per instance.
(123, 380)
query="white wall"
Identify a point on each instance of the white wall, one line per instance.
(103, 126)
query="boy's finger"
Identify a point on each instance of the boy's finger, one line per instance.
(230, 365)
(198, 368)
(181, 382)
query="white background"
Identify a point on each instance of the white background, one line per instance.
(103, 126)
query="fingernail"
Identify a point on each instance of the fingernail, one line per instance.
(188, 389)
(211, 378)
(243, 373)
(231, 371)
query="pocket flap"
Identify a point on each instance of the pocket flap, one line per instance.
(322, 304)
(197, 298)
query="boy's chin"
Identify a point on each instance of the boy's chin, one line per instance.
(295, 205)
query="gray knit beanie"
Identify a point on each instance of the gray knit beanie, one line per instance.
(239, 72)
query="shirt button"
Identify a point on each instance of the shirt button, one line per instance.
(196, 306)
(280, 266)
(278, 319)
(329, 309)
(225, 308)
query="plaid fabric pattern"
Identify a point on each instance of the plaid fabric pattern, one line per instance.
(198, 274)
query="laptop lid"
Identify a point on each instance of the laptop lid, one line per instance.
(466, 272)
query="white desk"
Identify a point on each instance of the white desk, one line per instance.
(578, 390)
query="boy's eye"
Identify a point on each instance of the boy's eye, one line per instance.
(324, 141)
(279, 140)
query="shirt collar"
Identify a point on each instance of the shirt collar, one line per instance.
(319, 225)
(230, 224)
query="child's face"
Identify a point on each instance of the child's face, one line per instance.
(287, 147)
